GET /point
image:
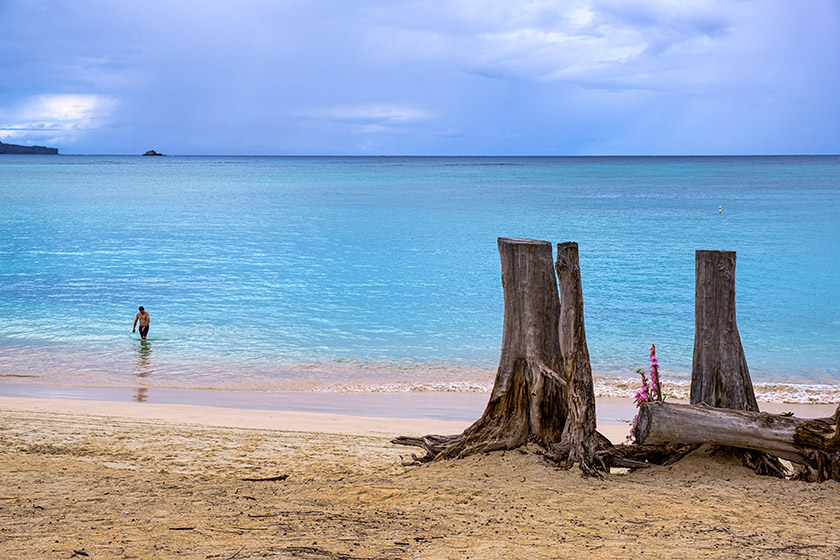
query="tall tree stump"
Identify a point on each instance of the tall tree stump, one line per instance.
(529, 400)
(543, 391)
(580, 439)
(719, 373)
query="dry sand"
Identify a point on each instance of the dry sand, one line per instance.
(96, 480)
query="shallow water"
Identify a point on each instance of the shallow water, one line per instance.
(352, 274)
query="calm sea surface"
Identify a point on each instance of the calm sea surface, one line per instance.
(382, 274)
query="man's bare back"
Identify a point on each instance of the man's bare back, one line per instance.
(143, 319)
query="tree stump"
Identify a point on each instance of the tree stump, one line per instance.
(529, 401)
(543, 391)
(719, 374)
(580, 440)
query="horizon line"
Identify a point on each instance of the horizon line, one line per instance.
(454, 155)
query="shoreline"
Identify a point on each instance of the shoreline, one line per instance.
(374, 378)
(237, 418)
(408, 413)
(337, 413)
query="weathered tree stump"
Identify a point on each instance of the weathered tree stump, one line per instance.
(813, 443)
(719, 373)
(580, 440)
(529, 401)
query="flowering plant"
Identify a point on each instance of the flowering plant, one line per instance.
(649, 392)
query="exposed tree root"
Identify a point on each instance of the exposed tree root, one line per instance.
(636, 456)
(512, 419)
(819, 441)
(593, 456)
(762, 463)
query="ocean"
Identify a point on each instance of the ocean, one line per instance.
(382, 274)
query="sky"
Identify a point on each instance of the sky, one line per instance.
(424, 77)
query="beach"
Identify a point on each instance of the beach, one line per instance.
(452, 225)
(111, 479)
(306, 311)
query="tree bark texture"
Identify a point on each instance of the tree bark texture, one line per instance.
(660, 423)
(580, 439)
(719, 373)
(529, 401)
(814, 443)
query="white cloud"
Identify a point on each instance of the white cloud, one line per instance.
(588, 41)
(550, 55)
(58, 117)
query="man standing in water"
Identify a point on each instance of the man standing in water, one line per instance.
(143, 318)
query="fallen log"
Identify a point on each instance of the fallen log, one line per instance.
(814, 443)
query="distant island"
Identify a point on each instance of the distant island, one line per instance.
(152, 153)
(16, 149)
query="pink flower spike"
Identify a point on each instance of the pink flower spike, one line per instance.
(652, 391)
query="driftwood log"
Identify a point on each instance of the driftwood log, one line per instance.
(543, 388)
(814, 443)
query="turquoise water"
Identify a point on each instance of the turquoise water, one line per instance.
(383, 273)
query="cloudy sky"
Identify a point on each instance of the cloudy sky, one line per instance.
(448, 77)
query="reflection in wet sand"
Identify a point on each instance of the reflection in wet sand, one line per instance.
(143, 368)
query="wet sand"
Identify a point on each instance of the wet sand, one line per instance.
(114, 479)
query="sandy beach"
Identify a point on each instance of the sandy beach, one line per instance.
(94, 479)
